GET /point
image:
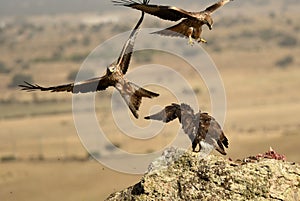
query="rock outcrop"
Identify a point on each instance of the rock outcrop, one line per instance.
(181, 175)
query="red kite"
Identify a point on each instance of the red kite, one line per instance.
(190, 26)
(114, 76)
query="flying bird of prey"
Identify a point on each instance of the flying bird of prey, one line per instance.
(191, 24)
(131, 93)
(202, 129)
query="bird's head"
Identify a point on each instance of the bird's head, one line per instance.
(111, 69)
(209, 21)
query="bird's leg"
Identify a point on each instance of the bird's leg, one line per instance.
(190, 32)
(194, 145)
(191, 42)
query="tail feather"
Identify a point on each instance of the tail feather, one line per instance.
(145, 93)
(225, 141)
(134, 98)
(220, 142)
(168, 32)
(178, 30)
(220, 148)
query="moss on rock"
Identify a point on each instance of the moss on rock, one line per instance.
(186, 177)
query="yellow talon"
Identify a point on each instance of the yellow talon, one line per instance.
(191, 42)
(202, 40)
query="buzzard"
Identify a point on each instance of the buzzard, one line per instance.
(114, 76)
(191, 24)
(202, 129)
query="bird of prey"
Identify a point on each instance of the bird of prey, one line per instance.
(131, 93)
(191, 24)
(202, 129)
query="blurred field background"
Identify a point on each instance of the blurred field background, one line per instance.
(255, 45)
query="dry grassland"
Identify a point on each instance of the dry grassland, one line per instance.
(263, 101)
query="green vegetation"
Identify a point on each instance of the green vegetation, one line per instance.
(86, 73)
(288, 41)
(3, 68)
(8, 158)
(77, 57)
(285, 61)
(143, 56)
(18, 110)
(19, 79)
(86, 41)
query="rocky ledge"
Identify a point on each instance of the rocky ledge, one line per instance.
(180, 175)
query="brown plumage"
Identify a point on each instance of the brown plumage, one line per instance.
(131, 93)
(191, 24)
(202, 129)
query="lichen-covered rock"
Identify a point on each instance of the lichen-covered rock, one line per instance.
(186, 177)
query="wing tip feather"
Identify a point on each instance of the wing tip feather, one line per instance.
(129, 3)
(29, 87)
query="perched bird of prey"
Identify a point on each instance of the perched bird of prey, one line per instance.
(191, 24)
(131, 93)
(202, 129)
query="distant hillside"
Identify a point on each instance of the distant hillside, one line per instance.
(37, 7)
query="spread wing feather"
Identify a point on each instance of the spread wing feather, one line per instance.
(171, 13)
(91, 85)
(126, 53)
(169, 113)
(215, 6)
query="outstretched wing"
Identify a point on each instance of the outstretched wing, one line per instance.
(188, 121)
(126, 53)
(217, 5)
(91, 85)
(168, 114)
(171, 13)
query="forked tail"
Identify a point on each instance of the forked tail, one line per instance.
(133, 97)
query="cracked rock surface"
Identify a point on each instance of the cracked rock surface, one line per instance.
(186, 177)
